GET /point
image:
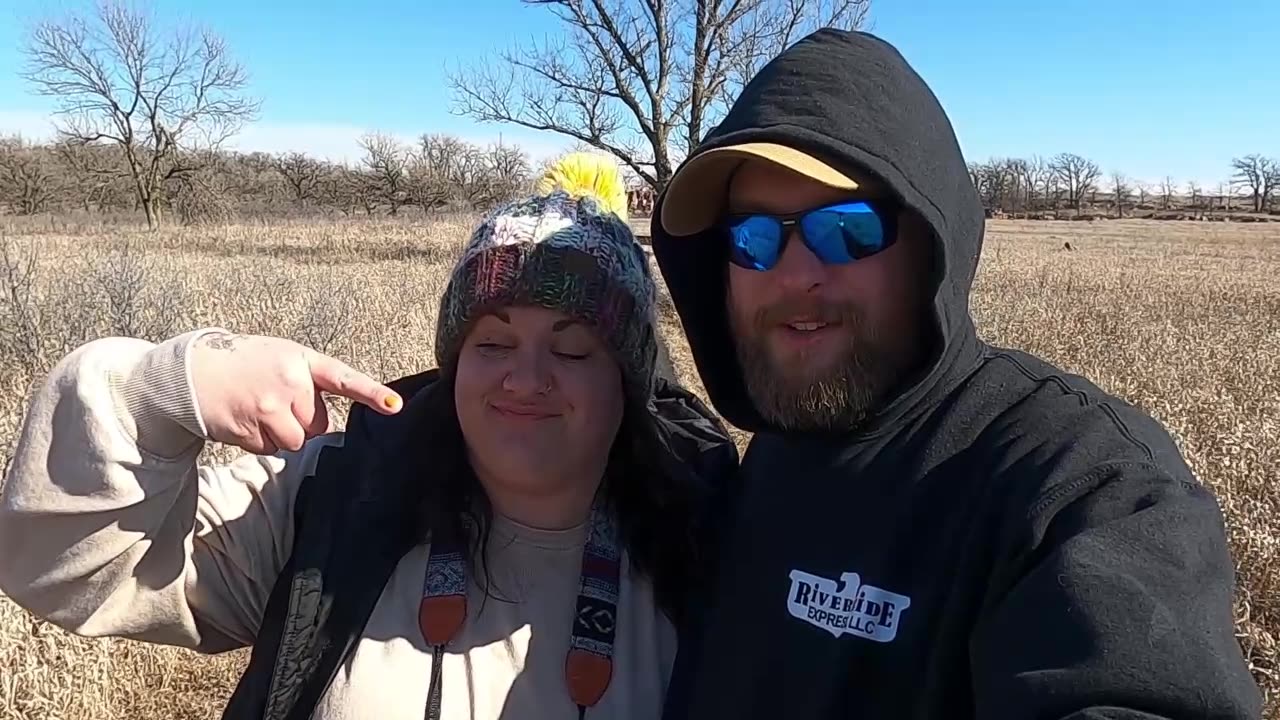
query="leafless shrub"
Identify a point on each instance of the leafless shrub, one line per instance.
(30, 181)
(302, 174)
(201, 200)
(139, 301)
(386, 162)
(21, 312)
(328, 309)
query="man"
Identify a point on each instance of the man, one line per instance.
(926, 526)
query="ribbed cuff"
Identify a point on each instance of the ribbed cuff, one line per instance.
(159, 395)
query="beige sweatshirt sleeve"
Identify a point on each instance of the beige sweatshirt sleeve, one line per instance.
(109, 527)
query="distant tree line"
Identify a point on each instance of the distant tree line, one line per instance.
(442, 173)
(1030, 186)
(436, 173)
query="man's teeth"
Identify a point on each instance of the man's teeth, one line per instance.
(806, 326)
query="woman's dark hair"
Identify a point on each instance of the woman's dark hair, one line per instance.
(652, 493)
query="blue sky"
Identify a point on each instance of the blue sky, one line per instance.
(1144, 87)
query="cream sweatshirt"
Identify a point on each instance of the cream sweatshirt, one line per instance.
(110, 527)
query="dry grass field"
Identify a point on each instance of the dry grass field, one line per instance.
(1181, 318)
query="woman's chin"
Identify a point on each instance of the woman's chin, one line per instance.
(529, 471)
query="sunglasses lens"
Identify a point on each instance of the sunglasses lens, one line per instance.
(846, 232)
(755, 242)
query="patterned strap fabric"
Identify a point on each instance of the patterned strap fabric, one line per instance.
(443, 609)
(589, 666)
(589, 663)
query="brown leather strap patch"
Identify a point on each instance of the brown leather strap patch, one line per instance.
(588, 676)
(441, 617)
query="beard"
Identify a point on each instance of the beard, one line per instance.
(802, 396)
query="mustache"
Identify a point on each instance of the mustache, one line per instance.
(827, 312)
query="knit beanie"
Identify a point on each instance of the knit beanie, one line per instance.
(568, 247)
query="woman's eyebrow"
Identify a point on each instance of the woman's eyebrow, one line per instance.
(563, 324)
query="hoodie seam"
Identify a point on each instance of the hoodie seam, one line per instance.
(1101, 475)
(1082, 397)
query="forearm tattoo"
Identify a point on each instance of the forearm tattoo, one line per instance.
(220, 341)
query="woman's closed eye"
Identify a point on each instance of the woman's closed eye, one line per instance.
(492, 348)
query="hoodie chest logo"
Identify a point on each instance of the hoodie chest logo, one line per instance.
(846, 606)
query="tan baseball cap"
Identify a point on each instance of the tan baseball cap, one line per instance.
(696, 195)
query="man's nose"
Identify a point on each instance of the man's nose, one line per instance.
(798, 270)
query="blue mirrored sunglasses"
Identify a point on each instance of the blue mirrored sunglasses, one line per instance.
(836, 234)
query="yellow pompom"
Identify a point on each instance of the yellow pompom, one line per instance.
(583, 174)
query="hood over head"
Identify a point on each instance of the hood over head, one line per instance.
(848, 102)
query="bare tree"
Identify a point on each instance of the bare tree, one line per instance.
(1121, 190)
(29, 181)
(977, 176)
(508, 170)
(1078, 176)
(347, 189)
(447, 170)
(998, 182)
(1052, 187)
(98, 175)
(466, 174)
(437, 170)
(251, 181)
(1193, 189)
(201, 198)
(163, 102)
(386, 162)
(636, 77)
(1031, 174)
(1167, 189)
(1260, 176)
(301, 173)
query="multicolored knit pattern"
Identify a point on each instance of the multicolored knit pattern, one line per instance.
(563, 253)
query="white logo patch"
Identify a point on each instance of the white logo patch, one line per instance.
(846, 606)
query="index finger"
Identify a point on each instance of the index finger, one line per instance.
(334, 376)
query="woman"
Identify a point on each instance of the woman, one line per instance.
(507, 536)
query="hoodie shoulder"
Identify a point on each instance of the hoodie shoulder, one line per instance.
(1104, 532)
(1047, 438)
(1069, 413)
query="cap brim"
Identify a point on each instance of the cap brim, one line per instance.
(696, 195)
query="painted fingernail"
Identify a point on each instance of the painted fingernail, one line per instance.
(392, 402)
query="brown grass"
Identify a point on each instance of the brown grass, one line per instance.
(1181, 318)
